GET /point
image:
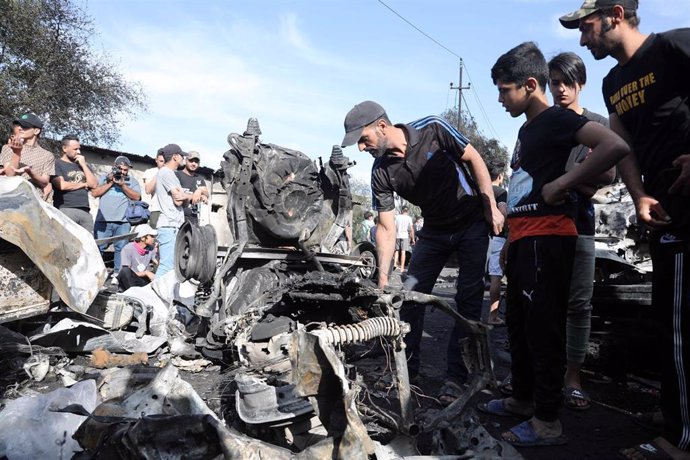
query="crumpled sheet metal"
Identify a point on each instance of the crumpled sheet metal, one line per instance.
(320, 375)
(79, 336)
(64, 251)
(30, 429)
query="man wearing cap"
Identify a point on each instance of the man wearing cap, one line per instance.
(171, 200)
(432, 165)
(71, 183)
(138, 258)
(22, 154)
(191, 181)
(115, 191)
(648, 98)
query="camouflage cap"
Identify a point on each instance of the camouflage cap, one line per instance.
(572, 20)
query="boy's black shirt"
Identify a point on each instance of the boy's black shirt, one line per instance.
(650, 95)
(540, 156)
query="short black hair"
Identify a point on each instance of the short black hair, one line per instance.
(405, 209)
(521, 63)
(368, 214)
(66, 140)
(571, 66)
(495, 169)
(630, 16)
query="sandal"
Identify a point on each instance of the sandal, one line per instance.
(498, 407)
(576, 399)
(645, 451)
(523, 435)
(449, 392)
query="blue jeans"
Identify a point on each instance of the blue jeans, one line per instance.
(103, 229)
(166, 249)
(430, 255)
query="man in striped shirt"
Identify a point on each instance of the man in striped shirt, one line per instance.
(430, 164)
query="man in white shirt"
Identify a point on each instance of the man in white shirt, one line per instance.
(147, 196)
(404, 237)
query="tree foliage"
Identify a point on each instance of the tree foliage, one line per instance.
(48, 67)
(494, 154)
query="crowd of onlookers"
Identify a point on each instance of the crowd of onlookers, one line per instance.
(171, 195)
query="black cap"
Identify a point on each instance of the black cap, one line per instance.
(572, 20)
(123, 160)
(361, 115)
(29, 120)
(169, 150)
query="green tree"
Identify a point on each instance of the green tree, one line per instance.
(493, 153)
(48, 67)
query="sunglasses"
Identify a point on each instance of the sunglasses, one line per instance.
(192, 160)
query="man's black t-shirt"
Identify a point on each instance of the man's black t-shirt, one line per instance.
(70, 172)
(650, 95)
(190, 183)
(430, 175)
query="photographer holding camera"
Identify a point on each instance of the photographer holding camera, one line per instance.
(115, 191)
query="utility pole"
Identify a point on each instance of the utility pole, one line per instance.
(459, 88)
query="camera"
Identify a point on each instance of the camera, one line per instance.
(116, 173)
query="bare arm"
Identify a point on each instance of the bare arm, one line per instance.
(385, 244)
(100, 190)
(607, 149)
(200, 194)
(649, 210)
(59, 183)
(129, 191)
(150, 185)
(481, 175)
(91, 181)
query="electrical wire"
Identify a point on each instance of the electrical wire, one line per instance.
(474, 92)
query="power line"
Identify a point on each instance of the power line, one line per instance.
(420, 30)
(474, 92)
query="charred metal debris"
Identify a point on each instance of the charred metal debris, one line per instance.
(288, 314)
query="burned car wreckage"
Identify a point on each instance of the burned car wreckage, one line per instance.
(288, 310)
(293, 312)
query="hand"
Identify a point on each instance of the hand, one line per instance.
(16, 144)
(682, 185)
(553, 194)
(23, 170)
(650, 212)
(80, 160)
(495, 218)
(197, 196)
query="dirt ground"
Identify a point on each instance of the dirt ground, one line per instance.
(619, 383)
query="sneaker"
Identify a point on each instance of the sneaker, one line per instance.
(113, 281)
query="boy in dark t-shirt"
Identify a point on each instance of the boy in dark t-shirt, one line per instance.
(541, 239)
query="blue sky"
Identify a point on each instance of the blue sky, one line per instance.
(299, 66)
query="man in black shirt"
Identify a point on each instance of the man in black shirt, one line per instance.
(71, 183)
(432, 165)
(192, 182)
(647, 95)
